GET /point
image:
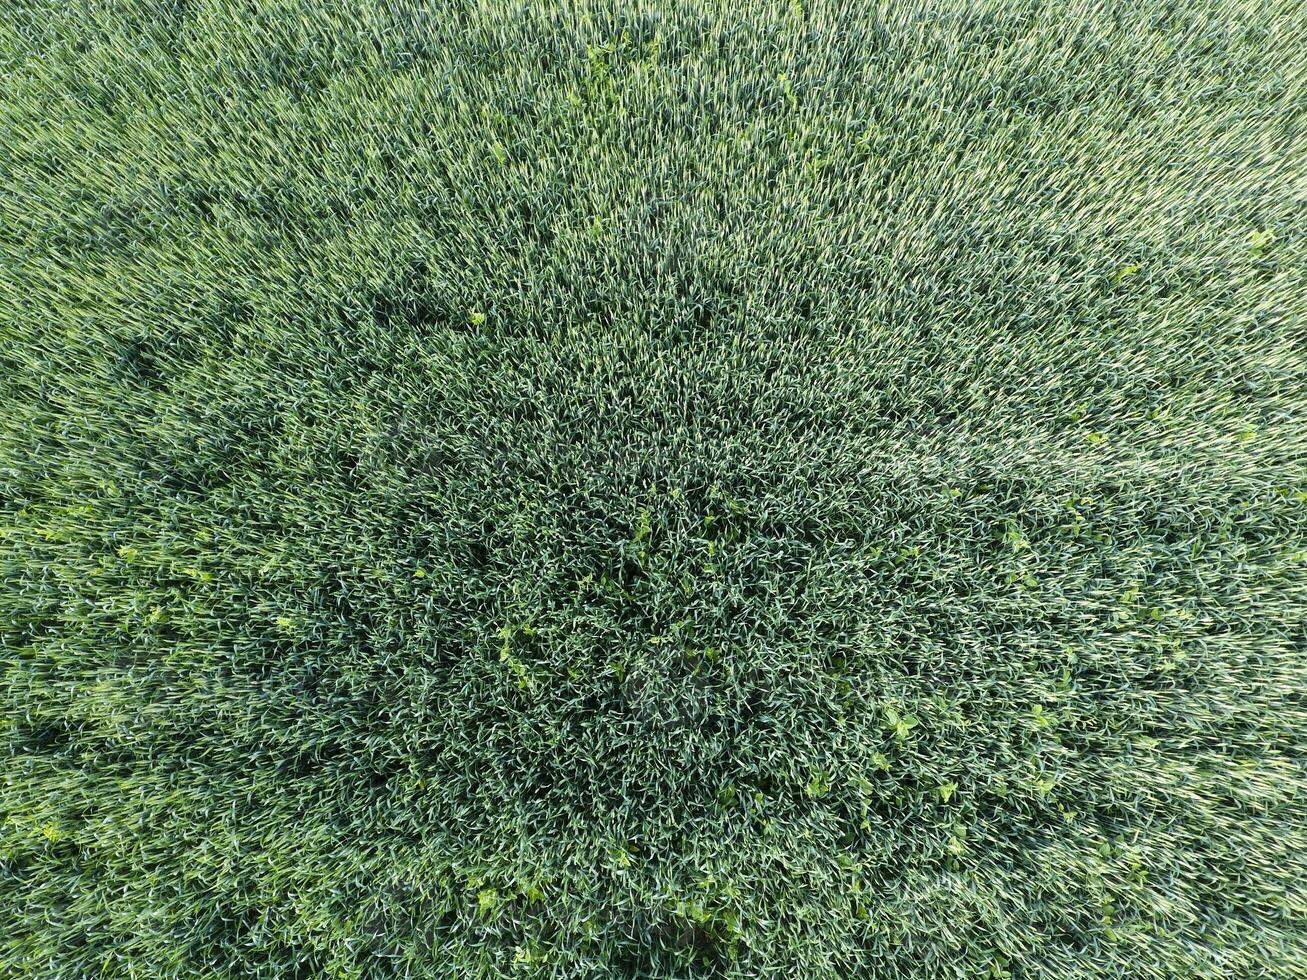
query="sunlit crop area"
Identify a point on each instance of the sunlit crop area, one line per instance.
(653, 490)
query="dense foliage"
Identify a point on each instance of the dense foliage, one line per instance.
(680, 490)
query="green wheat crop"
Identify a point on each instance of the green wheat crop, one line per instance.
(653, 490)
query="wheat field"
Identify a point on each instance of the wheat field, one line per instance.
(653, 490)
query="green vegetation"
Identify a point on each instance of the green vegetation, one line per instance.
(676, 491)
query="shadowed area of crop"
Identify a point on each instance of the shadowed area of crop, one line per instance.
(653, 490)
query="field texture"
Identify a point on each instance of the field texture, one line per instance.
(693, 490)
